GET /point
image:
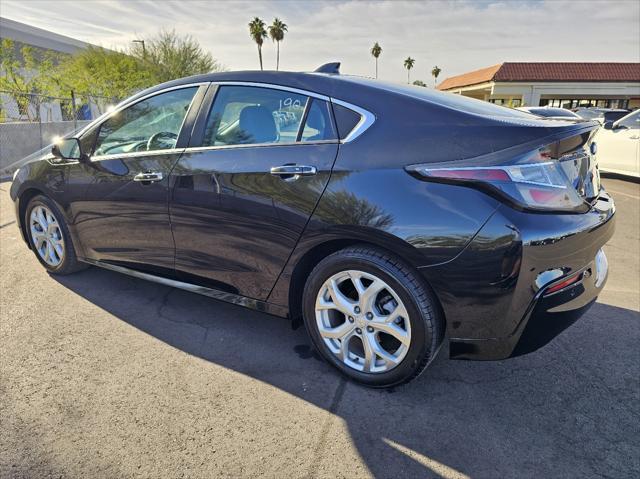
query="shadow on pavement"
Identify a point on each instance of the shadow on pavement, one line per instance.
(568, 410)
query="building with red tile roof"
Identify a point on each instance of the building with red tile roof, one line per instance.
(566, 84)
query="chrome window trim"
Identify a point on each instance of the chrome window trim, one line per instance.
(195, 149)
(128, 102)
(136, 154)
(366, 120)
(366, 117)
(273, 87)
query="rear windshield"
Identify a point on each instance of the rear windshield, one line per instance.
(547, 112)
(449, 100)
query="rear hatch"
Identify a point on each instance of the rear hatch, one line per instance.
(542, 165)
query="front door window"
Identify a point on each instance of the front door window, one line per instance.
(149, 125)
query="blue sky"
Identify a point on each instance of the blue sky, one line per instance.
(458, 36)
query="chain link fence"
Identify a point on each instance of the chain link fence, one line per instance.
(29, 122)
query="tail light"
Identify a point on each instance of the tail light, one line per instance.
(532, 181)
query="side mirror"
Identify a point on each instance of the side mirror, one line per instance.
(608, 125)
(68, 149)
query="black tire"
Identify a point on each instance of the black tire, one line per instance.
(427, 324)
(70, 263)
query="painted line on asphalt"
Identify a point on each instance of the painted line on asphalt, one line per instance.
(616, 192)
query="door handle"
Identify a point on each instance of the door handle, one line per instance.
(293, 171)
(634, 137)
(148, 177)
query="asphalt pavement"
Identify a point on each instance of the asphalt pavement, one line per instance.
(103, 375)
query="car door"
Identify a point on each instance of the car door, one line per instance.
(123, 217)
(259, 161)
(619, 147)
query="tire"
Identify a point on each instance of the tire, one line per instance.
(397, 336)
(54, 250)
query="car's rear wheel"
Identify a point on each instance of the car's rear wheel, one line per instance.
(371, 316)
(49, 236)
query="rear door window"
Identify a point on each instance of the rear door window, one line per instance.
(244, 115)
(248, 115)
(318, 124)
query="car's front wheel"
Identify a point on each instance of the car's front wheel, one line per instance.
(371, 316)
(49, 236)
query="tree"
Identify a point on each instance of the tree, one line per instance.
(26, 73)
(168, 56)
(97, 72)
(408, 64)
(276, 32)
(419, 83)
(258, 33)
(376, 50)
(435, 72)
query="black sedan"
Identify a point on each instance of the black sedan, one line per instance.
(386, 217)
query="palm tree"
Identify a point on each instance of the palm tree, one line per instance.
(408, 64)
(276, 32)
(435, 72)
(258, 33)
(376, 51)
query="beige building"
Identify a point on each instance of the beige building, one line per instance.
(568, 85)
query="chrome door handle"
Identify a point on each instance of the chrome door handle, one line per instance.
(634, 137)
(293, 170)
(148, 177)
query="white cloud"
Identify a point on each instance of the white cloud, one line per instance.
(458, 36)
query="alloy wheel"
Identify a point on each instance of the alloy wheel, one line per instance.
(363, 321)
(46, 235)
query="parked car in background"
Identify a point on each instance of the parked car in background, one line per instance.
(601, 114)
(387, 217)
(551, 112)
(618, 146)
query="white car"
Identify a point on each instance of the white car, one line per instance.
(619, 146)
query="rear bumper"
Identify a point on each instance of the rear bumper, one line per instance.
(495, 294)
(547, 317)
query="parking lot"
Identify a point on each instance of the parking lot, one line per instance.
(103, 375)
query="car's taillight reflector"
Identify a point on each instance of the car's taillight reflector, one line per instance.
(533, 180)
(563, 284)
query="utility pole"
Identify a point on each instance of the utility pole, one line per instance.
(144, 51)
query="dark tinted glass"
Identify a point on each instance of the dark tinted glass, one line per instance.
(346, 120)
(318, 125)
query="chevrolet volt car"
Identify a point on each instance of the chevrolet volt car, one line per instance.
(389, 219)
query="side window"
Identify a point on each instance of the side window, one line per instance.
(244, 115)
(149, 125)
(631, 121)
(318, 125)
(346, 120)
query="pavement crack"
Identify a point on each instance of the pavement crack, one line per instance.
(326, 427)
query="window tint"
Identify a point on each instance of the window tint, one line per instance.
(149, 125)
(346, 120)
(243, 115)
(318, 125)
(630, 121)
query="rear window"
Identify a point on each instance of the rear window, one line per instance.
(448, 100)
(548, 112)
